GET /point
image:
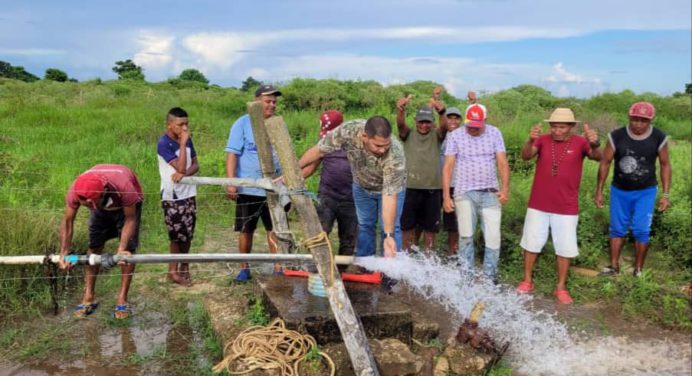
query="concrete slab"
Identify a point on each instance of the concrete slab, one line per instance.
(382, 315)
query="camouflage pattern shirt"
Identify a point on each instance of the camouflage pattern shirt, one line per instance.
(386, 174)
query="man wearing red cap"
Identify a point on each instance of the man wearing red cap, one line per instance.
(335, 190)
(114, 196)
(476, 156)
(633, 190)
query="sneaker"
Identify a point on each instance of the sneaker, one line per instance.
(563, 297)
(609, 271)
(524, 287)
(243, 276)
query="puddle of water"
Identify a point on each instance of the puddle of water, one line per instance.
(540, 343)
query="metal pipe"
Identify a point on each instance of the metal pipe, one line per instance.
(264, 183)
(107, 259)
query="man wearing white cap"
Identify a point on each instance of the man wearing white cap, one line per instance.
(477, 153)
(554, 201)
(633, 190)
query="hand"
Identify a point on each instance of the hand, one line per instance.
(184, 136)
(502, 197)
(598, 200)
(536, 132)
(176, 177)
(437, 105)
(401, 103)
(232, 192)
(591, 135)
(64, 265)
(122, 252)
(389, 247)
(471, 96)
(448, 205)
(663, 204)
(437, 92)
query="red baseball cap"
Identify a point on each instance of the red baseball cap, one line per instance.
(475, 116)
(644, 110)
(329, 120)
(89, 186)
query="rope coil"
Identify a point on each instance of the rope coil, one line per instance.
(270, 347)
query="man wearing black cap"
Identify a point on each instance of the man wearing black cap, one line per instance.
(424, 184)
(242, 161)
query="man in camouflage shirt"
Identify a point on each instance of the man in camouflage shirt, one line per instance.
(379, 178)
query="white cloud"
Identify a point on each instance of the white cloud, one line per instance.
(565, 83)
(155, 49)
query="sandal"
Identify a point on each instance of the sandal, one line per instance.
(122, 312)
(563, 297)
(524, 287)
(85, 309)
(609, 271)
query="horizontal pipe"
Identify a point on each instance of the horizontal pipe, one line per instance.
(167, 258)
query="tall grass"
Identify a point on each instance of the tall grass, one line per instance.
(53, 131)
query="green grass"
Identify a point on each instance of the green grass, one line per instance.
(54, 131)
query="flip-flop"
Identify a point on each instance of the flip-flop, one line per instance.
(563, 297)
(84, 310)
(524, 287)
(122, 312)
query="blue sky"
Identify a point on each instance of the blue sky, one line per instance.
(572, 48)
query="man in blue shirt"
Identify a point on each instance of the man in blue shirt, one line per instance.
(242, 161)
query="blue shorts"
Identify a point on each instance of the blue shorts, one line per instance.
(632, 209)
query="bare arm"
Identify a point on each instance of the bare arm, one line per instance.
(231, 165)
(66, 231)
(401, 117)
(503, 169)
(447, 172)
(388, 219)
(529, 150)
(666, 177)
(311, 156)
(180, 163)
(129, 227)
(310, 169)
(603, 169)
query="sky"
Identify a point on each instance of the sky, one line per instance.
(572, 48)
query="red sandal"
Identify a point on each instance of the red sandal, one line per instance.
(563, 297)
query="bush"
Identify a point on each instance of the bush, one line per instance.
(53, 74)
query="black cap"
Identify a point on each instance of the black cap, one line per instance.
(267, 90)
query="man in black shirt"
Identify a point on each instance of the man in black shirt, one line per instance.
(633, 190)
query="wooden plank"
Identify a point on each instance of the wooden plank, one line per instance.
(285, 241)
(351, 328)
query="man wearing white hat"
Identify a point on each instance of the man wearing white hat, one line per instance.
(554, 201)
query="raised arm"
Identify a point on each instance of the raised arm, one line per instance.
(529, 150)
(401, 117)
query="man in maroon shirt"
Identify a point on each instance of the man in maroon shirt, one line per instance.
(114, 196)
(554, 202)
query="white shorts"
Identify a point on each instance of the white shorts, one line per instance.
(562, 228)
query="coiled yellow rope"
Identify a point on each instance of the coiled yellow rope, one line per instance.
(269, 347)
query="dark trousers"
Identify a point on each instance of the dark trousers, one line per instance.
(344, 213)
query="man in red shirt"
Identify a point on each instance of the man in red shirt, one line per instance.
(554, 202)
(114, 196)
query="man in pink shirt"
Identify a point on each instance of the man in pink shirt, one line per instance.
(554, 201)
(114, 196)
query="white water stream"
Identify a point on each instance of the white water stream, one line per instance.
(540, 344)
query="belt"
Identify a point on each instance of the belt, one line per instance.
(486, 190)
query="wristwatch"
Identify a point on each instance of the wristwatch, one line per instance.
(388, 235)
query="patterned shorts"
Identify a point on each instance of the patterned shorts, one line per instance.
(180, 217)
